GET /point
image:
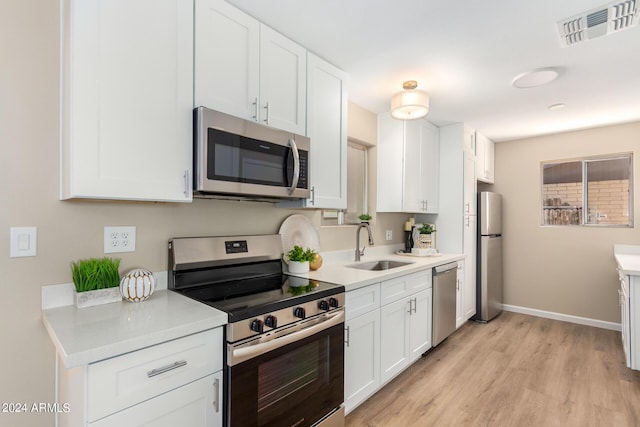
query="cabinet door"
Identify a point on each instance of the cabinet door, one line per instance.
(484, 158)
(127, 100)
(412, 196)
(362, 358)
(420, 335)
(469, 171)
(283, 82)
(326, 126)
(195, 404)
(469, 280)
(460, 302)
(624, 320)
(390, 166)
(394, 339)
(429, 166)
(227, 44)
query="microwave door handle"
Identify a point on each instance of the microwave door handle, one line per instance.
(296, 165)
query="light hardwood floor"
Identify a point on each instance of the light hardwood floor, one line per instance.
(517, 370)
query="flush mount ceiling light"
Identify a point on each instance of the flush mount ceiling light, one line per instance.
(555, 107)
(410, 103)
(535, 78)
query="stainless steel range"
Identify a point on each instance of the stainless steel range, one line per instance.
(285, 336)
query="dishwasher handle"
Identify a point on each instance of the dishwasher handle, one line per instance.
(441, 269)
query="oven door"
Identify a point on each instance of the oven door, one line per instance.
(294, 382)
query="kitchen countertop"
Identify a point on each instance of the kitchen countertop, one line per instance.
(352, 278)
(628, 258)
(83, 336)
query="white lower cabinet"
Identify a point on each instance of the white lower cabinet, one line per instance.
(405, 332)
(460, 319)
(388, 327)
(630, 318)
(194, 404)
(172, 383)
(362, 345)
(362, 358)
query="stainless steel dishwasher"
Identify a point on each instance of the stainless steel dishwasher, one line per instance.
(444, 301)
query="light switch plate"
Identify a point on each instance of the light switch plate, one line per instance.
(23, 241)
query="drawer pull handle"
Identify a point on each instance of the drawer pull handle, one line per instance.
(167, 368)
(216, 386)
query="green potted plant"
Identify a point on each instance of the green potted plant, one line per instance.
(426, 229)
(365, 217)
(298, 259)
(424, 239)
(96, 281)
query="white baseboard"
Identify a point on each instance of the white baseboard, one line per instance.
(563, 317)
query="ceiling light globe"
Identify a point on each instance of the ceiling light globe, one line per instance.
(409, 105)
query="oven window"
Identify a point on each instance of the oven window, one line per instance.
(297, 384)
(286, 375)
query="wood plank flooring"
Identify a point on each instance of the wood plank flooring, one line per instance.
(517, 370)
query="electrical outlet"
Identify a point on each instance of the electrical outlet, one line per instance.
(119, 239)
(389, 235)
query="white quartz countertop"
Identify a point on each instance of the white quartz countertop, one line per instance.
(339, 273)
(628, 258)
(83, 336)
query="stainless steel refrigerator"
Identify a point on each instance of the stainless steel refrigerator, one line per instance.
(489, 265)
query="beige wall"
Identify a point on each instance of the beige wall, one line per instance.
(567, 270)
(72, 230)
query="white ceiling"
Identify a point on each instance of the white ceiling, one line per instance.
(465, 54)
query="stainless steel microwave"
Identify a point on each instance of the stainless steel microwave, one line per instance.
(238, 157)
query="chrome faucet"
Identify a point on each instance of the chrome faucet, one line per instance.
(359, 252)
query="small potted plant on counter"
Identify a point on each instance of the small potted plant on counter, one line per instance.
(365, 217)
(298, 259)
(424, 239)
(97, 281)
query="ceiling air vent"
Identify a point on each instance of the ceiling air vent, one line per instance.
(601, 21)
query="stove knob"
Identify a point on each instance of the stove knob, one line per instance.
(271, 321)
(257, 326)
(300, 312)
(323, 305)
(333, 302)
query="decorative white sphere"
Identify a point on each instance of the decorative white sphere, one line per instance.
(137, 285)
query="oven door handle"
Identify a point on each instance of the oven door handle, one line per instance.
(296, 166)
(238, 355)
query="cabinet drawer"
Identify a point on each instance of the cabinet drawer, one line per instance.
(400, 287)
(362, 300)
(195, 404)
(123, 381)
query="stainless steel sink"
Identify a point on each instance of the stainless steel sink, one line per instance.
(379, 265)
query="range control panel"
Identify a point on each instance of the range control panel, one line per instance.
(236, 246)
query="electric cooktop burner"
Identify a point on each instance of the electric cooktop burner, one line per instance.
(242, 276)
(244, 299)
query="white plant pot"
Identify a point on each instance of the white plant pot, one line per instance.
(97, 297)
(298, 267)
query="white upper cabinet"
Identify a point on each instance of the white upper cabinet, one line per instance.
(484, 159)
(408, 165)
(227, 59)
(283, 82)
(126, 100)
(327, 129)
(247, 69)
